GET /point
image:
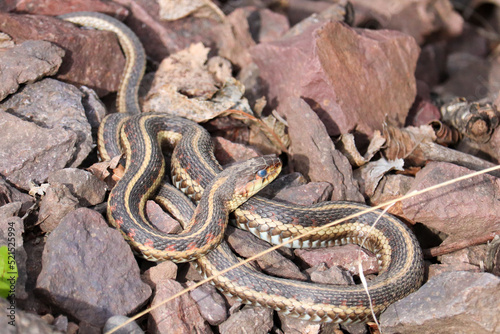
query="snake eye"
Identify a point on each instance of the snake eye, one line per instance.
(262, 173)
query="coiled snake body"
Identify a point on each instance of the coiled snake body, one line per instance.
(197, 172)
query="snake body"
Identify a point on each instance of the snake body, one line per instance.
(194, 169)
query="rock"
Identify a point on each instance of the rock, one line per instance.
(431, 64)
(307, 194)
(55, 205)
(26, 63)
(211, 304)
(291, 325)
(83, 185)
(9, 194)
(55, 105)
(180, 315)
(345, 257)
(163, 270)
(246, 245)
(283, 182)
(76, 271)
(29, 152)
(253, 319)
(464, 210)
(58, 7)
(392, 186)
(476, 79)
(22, 322)
(313, 154)
(413, 17)
(342, 85)
(117, 320)
(61, 323)
(11, 235)
(228, 152)
(334, 275)
(162, 220)
(93, 58)
(438, 269)
(455, 302)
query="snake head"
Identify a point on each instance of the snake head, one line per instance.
(249, 177)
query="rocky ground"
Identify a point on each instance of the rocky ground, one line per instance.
(365, 101)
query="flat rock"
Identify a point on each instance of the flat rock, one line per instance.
(454, 302)
(29, 152)
(11, 235)
(57, 202)
(180, 315)
(55, 105)
(79, 262)
(86, 187)
(307, 194)
(58, 7)
(465, 209)
(313, 153)
(414, 17)
(93, 58)
(345, 257)
(246, 244)
(211, 304)
(353, 87)
(26, 63)
(163, 270)
(252, 319)
(228, 152)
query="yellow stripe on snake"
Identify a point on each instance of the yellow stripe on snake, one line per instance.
(196, 171)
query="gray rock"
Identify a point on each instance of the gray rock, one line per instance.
(211, 304)
(252, 319)
(55, 205)
(83, 185)
(57, 106)
(29, 152)
(117, 320)
(26, 63)
(453, 302)
(246, 244)
(88, 270)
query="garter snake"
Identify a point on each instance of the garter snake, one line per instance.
(193, 168)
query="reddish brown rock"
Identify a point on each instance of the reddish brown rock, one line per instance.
(466, 209)
(228, 152)
(78, 264)
(180, 315)
(346, 257)
(58, 7)
(454, 302)
(162, 271)
(416, 18)
(93, 58)
(26, 63)
(57, 203)
(247, 245)
(253, 319)
(307, 194)
(83, 185)
(162, 220)
(211, 304)
(313, 153)
(354, 86)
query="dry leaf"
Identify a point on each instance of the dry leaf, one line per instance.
(371, 173)
(348, 148)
